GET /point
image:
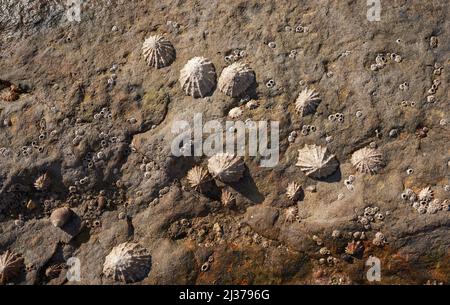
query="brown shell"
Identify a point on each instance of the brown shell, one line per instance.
(227, 198)
(198, 177)
(60, 216)
(11, 265)
(42, 182)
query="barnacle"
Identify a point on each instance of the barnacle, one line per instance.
(426, 194)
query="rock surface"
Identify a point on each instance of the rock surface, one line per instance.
(78, 102)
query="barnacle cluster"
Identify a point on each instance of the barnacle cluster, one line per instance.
(424, 202)
(370, 215)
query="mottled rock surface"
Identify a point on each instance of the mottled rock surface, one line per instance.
(77, 101)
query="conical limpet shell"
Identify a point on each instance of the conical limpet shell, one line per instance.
(307, 102)
(60, 216)
(226, 167)
(291, 214)
(316, 162)
(198, 77)
(128, 262)
(235, 113)
(42, 182)
(198, 177)
(10, 266)
(158, 51)
(227, 198)
(293, 191)
(367, 160)
(236, 79)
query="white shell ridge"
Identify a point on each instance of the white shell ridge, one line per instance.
(158, 51)
(307, 102)
(316, 162)
(197, 177)
(198, 77)
(128, 262)
(226, 167)
(227, 198)
(293, 191)
(236, 79)
(235, 112)
(10, 266)
(367, 160)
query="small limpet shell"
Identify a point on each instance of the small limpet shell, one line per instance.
(158, 51)
(226, 167)
(128, 262)
(60, 216)
(198, 77)
(316, 162)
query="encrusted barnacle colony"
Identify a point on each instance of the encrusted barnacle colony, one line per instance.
(10, 266)
(198, 77)
(158, 51)
(236, 79)
(42, 182)
(367, 160)
(60, 216)
(226, 167)
(293, 191)
(198, 177)
(227, 198)
(128, 262)
(307, 102)
(316, 161)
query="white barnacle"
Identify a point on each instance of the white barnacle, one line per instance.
(426, 194)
